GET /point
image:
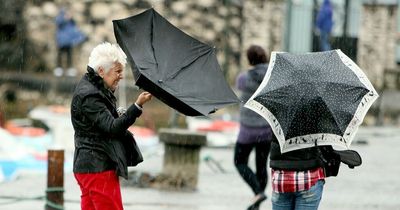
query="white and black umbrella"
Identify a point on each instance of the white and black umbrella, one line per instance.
(311, 98)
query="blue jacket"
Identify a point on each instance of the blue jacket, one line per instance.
(68, 34)
(324, 18)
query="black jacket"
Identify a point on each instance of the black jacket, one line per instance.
(298, 160)
(102, 141)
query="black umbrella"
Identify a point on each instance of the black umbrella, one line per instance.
(176, 68)
(318, 97)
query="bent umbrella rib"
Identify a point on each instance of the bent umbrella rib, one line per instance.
(152, 39)
(171, 76)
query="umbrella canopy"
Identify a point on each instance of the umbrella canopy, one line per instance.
(176, 68)
(312, 98)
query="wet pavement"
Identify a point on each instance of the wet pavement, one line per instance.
(372, 186)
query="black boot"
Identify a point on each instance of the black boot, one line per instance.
(256, 203)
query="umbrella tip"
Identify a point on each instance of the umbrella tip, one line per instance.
(213, 111)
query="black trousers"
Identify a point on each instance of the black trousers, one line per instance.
(258, 180)
(62, 52)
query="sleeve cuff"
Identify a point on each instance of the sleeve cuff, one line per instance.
(139, 107)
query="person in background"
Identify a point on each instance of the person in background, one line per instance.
(255, 132)
(67, 36)
(324, 25)
(104, 148)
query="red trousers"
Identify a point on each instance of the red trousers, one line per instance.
(100, 191)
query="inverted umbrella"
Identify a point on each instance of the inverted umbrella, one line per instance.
(176, 68)
(312, 98)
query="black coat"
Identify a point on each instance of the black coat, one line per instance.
(298, 160)
(102, 141)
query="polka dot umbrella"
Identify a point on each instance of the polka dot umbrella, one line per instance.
(311, 98)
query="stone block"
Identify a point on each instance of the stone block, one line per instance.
(181, 159)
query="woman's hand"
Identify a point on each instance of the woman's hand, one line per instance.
(143, 98)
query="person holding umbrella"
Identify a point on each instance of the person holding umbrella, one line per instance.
(254, 133)
(297, 178)
(315, 103)
(104, 148)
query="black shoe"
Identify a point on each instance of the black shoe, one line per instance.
(257, 203)
(252, 207)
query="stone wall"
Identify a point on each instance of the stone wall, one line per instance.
(229, 25)
(263, 24)
(94, 18)
(377, 41)
(206, 20)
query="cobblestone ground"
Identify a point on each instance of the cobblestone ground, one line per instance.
(373, 186)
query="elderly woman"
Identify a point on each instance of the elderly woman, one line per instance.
(104, 148)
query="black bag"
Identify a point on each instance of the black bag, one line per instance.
(137, 156)
(133, 154)
(331, 159)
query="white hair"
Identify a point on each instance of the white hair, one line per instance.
(105, 55)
